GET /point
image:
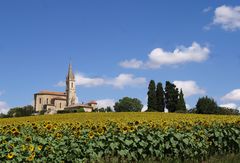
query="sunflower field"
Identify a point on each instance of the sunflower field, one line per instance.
(125, 137)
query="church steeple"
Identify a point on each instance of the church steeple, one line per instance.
(70, 75)
(70, 87)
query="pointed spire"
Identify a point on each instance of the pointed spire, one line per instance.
(70, 73)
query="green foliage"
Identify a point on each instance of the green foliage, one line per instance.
(152, 101)
(160, 101)
(107, 109)
(128, 104)
(227, 111)
(21, 111)
(206, 105)
(171, 96)
(79, 110)
(72, 142)
(181, 106)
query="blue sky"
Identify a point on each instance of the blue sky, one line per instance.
(113, 46)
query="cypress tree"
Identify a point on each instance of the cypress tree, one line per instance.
(181, 106)
(151, 96)
(160, 101)
(171, 96)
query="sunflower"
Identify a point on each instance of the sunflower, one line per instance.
(30, 158)
(31, 148)
(35, 127)
(136, 123)
(16, 133)
(125, 129)
(28, 139)
(90, 134)
(58, 135)
(100, 131)
(131, 129)
(48, 126)
(10, 155)
(39, 147)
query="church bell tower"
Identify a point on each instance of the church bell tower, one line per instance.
(70, 87)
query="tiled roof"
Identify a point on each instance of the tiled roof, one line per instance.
(92, 102)
(79, 105)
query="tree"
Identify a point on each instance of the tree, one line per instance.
(128, 104)
(206, 105)
(160, 101)
(152, 96)
(181, 106)
(171, 96)
(21, 111)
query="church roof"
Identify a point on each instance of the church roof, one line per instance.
(70, 74)
(51, 93)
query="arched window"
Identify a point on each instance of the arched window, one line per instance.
(72, 85)
(60, 105)
(47, 100)
(40, 100)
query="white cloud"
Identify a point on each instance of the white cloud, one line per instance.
(133, 63)
(227, 17)
(104, 103)
(188, 106)
(207, 9)
(3, 107)
(124, 80)
(121, 81)
(158, 57)
(82, 80)
(234, 95)
(145, 108)
(229, 105)
(189, 88)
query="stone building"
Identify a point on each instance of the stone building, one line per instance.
(49, 100)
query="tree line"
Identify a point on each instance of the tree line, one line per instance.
(171, 97)
(19, 112)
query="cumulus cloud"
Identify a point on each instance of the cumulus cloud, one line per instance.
(227, 17)
(229, 105)
(158, 57)
(121, 81)
(82, 80)
(124, 80)
(104, 103)
(3, 107)
(189, 88)
(234, 95)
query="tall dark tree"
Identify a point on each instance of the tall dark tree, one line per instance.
(160, 101)
(181, 105)
(152, 96)
(206, 105)
(171, 96)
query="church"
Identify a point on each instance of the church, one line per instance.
(54, 101)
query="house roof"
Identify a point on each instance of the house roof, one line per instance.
(78, 105)
(92, 102)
